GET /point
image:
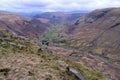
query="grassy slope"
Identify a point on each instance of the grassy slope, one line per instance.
(51, 34)
(55, 33)
(28, 63)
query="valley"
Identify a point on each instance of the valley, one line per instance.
(39, 47)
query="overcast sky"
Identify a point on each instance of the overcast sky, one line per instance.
(56, 5)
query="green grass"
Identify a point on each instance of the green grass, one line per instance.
(56, 34)
(51, 34)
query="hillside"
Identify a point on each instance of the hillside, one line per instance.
(23, 59)
(23, 26)
(97, 33)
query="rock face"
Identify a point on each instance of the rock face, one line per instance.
(24, 26)
(98, 32)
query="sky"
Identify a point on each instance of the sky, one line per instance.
(56, 5)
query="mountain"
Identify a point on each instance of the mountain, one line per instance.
(23, 26)
(100, 30)
(29, 14)
(98, 33)
(60, 17)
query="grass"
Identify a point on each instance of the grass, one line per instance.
(87, 73)
(98, 50)
(56, 34)
(51, 34)
(28, 63)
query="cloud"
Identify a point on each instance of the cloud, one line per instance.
(56, 5)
